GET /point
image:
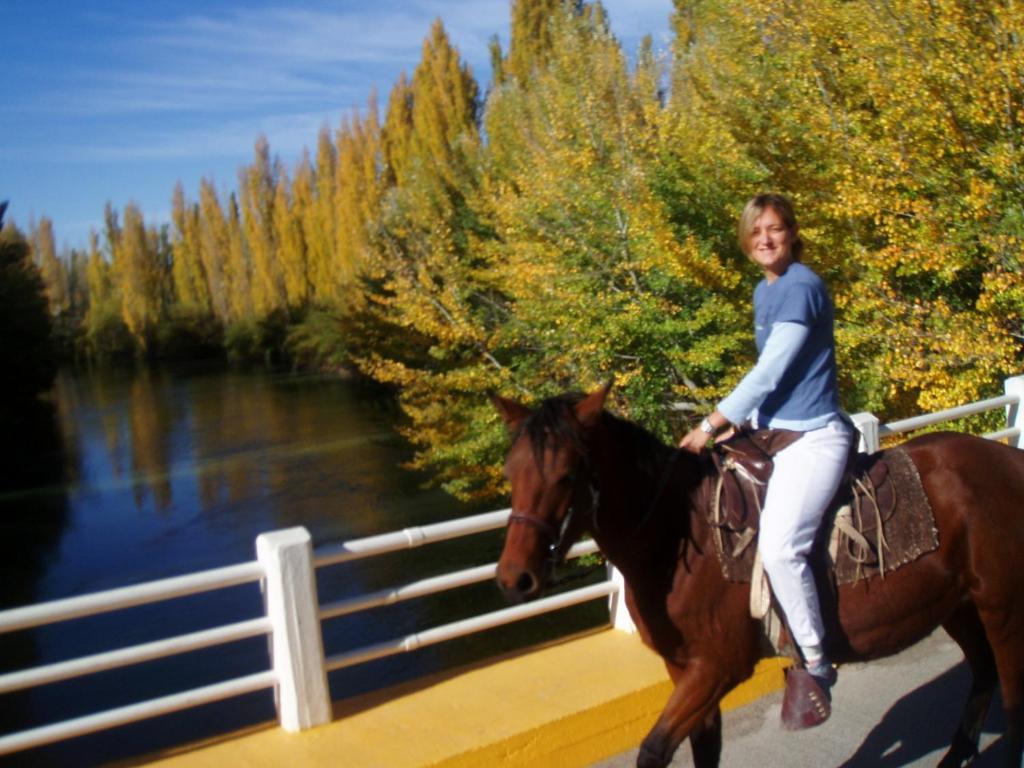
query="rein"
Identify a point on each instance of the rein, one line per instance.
(666, 473)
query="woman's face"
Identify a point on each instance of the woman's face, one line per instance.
(768, 244)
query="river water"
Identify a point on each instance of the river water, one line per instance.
(155, 473)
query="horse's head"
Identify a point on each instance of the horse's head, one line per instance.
(553, 493)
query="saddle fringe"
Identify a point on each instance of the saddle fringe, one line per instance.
(847, 539)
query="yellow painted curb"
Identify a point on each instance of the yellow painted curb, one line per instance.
(570, 703)
(604, 730)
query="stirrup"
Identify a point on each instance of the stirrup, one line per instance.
(807, 702)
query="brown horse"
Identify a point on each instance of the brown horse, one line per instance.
(576, 468)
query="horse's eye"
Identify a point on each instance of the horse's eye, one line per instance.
(567, 479)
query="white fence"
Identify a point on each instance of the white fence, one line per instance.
(297, 670)
(871, 431)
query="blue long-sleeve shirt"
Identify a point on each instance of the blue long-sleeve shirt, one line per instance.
(793, 384)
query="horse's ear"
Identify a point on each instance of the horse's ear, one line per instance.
(589, 408)
(512, 413)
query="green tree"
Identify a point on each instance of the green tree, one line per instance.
(888, 124)
(602, 282)
(421, 278)
(54, 272)
(25, 325)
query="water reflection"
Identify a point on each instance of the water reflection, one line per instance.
(177, 472)
(169, 472)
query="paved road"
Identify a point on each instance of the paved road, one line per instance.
(893, 713)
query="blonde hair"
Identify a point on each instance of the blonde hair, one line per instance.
(781, 205)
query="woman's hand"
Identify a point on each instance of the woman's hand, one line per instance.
(695, 441)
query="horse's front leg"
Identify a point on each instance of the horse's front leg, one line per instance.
(706, 740)
(692, 710)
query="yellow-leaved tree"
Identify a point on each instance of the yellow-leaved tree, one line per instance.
(601, 281)
(140, 270)
(895, 126)
(426, 323)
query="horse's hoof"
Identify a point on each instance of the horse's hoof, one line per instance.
(959, 758)
(652, 756)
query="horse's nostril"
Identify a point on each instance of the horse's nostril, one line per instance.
(526, 584)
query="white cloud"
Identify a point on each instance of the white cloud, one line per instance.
(287, 133)
(252, 58)
(134, 98)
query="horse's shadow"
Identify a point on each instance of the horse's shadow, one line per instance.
(923, 721)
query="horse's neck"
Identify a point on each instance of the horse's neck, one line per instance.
(646, 490)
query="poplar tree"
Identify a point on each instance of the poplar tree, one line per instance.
(319, 221)
(190, 283)
(51, 268)
(258, 185)
(444, 113)
(238, 268)
(359, 189)
(105, 333)
(530, 42)
(139, 274)
(426, 287)
(214, 243)
(78, 288)
(292, 201)
(396, 134)
(429, 137)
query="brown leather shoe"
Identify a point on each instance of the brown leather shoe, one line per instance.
(807, 701)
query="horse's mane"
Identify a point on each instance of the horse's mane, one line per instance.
(555, 417)
(651, 463)
(648, 452)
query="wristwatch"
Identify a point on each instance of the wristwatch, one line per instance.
(707, 427)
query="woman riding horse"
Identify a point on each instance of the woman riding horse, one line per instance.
(575, 468)
(792, 387)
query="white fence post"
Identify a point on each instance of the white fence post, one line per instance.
(297, 649)
(620, 617)
(867, 424)
(1015, 413)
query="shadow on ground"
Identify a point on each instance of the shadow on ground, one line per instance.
(923, 721)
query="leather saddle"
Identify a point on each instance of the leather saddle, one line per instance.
(862, 532)
(744, 464)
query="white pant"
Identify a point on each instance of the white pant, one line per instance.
(805, 478)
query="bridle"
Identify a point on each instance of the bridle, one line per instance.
(556, 536)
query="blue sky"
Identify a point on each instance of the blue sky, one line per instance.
(109, 100)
